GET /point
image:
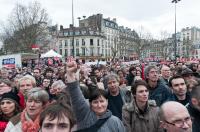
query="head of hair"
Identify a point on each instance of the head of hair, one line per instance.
(6, 81)
(38, 94)
(195, 93)
(95, 92)
(59, 84)
(147, 69)
(112, 76)
(174, 77)
(136, 84)
(58, 110)
(27, 77)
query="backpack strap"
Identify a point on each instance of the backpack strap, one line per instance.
(95, 127)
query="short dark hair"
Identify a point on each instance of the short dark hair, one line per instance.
(58, 110)
(95, 93)
(136, 84)
(195, 93)
(174, 77)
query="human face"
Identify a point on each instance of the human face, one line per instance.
(7, 107)
(46, 82)
(113, 86)
(36, 73)
(153, 75)
(25, 86)
(165, 72)
(178, 121)
(55, 90)
(142, 94)
(4, 88)
(55, 125)
(179, 87)
(97, 73)
(33, 107)
(99, 105)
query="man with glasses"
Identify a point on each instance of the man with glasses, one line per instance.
(174, 117)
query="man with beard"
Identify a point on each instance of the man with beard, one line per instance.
(177, 83)
(157, 90)
(194, 108)
(174, 117)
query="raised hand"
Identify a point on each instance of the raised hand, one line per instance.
(71, 71)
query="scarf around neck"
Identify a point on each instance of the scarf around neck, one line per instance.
(27, 124)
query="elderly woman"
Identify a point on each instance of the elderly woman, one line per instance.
(28, 120)
(93, 116)
(56, 88)
(26, 83)
(9, 107)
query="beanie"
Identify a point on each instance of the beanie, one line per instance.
(10, 96)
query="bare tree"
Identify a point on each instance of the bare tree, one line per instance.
(26, 25)
(164, 44)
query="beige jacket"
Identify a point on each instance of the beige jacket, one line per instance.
(135, 121)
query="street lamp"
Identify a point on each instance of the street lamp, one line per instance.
(175, 42)
(73, 34)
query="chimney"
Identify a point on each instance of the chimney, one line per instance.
(114, 20)
(61, 27)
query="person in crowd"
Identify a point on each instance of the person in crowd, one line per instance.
(174, 117)
(4, 73)
(191, 84)
(93, 116)
(46, 83)
(37, 75)
(179, 90)
(165, 75)
(5, 86)
(28, 120)
(130, 77)
(123, 81)
(116, 97)
(187, 74)
(9, 107)
(141, 115)
(49, 73)
(57, 117)
(157, 90)
(56, 88)
(194, 108)
(26, 83)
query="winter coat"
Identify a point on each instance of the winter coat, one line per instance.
(135, 121)
(86, 117)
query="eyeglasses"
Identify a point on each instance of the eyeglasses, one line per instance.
(180, 123)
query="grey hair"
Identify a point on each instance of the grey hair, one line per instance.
(147, 69)
(38, 93)
(59, 84)
(112, 76)
(27, 77)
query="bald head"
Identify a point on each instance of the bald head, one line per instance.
(171, 108)
(165, 71)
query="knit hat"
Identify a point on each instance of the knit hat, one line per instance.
(187, 71)
(10, 96)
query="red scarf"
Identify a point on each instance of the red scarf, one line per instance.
(27, 124)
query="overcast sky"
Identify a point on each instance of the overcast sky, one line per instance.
(155, 16)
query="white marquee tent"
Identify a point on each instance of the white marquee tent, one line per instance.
(50, 53)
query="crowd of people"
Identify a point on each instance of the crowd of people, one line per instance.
(75, 97)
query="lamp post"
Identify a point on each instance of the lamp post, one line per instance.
(175, 42)
(73, 34)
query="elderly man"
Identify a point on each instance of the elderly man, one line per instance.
(165, 75)
(194, 108)
(175, 117)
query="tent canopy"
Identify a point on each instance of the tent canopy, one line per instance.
(50, 53)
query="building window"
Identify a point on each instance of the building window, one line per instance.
(91, 51)
(65, 33)
(98, 42)
(71, 52)
(66, 43)
(65, 52)
(98, 50)
(83, 42)
(91, 42)
(77, 51)
(61, 51)
(71, 42)
(60, 44)
(77, 42)
(83, 51)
